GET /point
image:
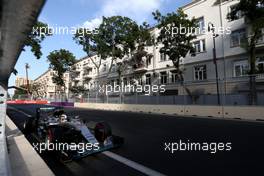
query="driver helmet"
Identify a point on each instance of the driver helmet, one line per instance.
(63, 118)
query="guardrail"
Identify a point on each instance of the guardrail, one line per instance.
(225, 112)
(4, 160)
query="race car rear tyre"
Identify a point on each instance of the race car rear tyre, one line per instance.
(102, 130)
(49, 136)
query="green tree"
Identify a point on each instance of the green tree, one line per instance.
(77, 90)
(91, 44)
(20, 92)
(139, 39)
(34, 90)
(61, 62)
(113, 38)
(117, 37)
(253, 11)
(39, 32)
(176, 44)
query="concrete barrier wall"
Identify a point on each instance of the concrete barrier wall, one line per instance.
(24, 160)
(241, 112)
(161, 109)
(245, 112)
(204, 111)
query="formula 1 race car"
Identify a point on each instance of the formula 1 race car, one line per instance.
(70, 137)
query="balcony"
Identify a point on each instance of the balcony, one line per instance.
(87, 76)
(141, 69)
(87, 67)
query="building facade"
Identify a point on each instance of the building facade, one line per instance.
(232, 59)
(47, 89)
(20, 81)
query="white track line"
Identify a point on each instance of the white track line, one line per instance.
(132, 164)
(125, 161)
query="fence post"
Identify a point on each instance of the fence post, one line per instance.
(136, 98)
(184, 97)
(223, 101)
(106, 98)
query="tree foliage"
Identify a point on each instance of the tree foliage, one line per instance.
(253, 11)
(116, 37)
(176, 44)
(34, 89)
(22, 91)
(77, 90)
(39, 32)
(61, 62)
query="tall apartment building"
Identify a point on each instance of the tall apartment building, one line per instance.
(232, 58)
(20, 81)
(199, 71)
(47, 89)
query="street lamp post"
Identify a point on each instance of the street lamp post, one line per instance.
(211, 28)
(27, 67)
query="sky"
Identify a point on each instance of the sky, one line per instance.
(84, 13)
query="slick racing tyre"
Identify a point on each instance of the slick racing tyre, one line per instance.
(102, 130)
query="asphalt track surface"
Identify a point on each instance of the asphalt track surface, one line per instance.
(145, 137)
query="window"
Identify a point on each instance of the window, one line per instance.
(241, 68)
(163, 57)
(174, 77)
(148, 79)
(104, 67)
(117, 82)
(260, 64)
(200, 73)
(112, 83)
(238, 14)
(163, 77)
(199, 46)
(125, 81)
(238, 37)
(200, 26)
(148, 62)
(113, 69)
